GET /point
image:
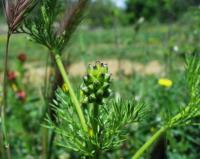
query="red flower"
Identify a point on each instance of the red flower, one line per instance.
(21, 95)
(12, 76)
(22, 57)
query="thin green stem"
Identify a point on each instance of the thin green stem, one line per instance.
(2, 154)
(50, 144)
(71, 91)
(44, 143)
(95, 118)
(172, 123)
(95, 128)
(178, 117)
(4, 106)
(147, 145)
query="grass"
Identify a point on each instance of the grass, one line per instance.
(19, 44)
(100, 44)
(152, 42)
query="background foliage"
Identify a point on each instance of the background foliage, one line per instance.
(108, 34)
(164, 10)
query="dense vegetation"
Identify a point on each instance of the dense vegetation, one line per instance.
(164, 11)
(154, 83)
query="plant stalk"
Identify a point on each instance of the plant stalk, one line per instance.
(147, 145)
(71, 91)
(5, 102)
(44, 143)
(95, 127)
(95, 118)
(171, 124)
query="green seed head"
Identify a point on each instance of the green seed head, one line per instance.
(96, 84)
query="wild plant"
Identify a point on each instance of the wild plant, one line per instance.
(107, 119)
(16, 77)
(15, 12)
(88, 132)
(43, 31)
(46, 28)
(185, 116)
(89, 121)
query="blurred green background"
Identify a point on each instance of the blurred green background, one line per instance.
(142, 41)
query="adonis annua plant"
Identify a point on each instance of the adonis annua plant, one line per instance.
(106, 118)
(90, 122)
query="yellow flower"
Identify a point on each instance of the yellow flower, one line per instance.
(91, 133)
(165, 82)
(14, 87)
(152, 129)
(65, 88)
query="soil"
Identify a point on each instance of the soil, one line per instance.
(128, 67)
(35, 74)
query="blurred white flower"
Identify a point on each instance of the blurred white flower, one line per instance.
(64, 156)
(141, 20)
(117, 96)
(176, 48)
(158, 119)
(137, 97)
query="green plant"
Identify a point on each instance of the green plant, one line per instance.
(160, 10)
(107, 118)
(103, 13)
(41, 29)
(55, 40)
(188, 114)
(15, 12)
(94, 120)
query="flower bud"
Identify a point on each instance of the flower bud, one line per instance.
(91, 87)
(21, 95)
(12, 76)
(85, 89)
(100, 93)
(106, 86)
(96, 84)
(85, 79)
(92, 98)
(85, 100)
(22, 57)
(65, 88)
(107, 77)
(107, 93)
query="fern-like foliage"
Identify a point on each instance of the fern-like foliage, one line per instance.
(107, 121)
(40, 27)
(113, 119)
(192, 110)
(68, 126)
(47, 29)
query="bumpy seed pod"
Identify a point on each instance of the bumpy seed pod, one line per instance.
(96, 84)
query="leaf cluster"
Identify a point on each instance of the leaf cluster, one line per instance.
(188, 115)
(48, 29)
(115, 118)
(40, 26)
(112, 122)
